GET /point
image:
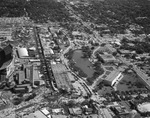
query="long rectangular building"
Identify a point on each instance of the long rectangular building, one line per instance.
(61, 76)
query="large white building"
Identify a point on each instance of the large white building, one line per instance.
(22, 52)
(145, 107)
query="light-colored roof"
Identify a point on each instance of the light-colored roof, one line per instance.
(58, 110)
(105, 113)
(22, 52)
(125, 51)
(62, 80)
(58, 68)
(32, 48)
(76, 33)
(39, 114)
(59, 116)
(77, 110)
(49, 116)
(110, 48)
(51, 51)
(91, 116)
(145, 107)
(45, 111)
(30, 116)
(61, 76)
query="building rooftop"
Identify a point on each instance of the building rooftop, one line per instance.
(107, 57)
(111, 76)
(39, 114)
(59, 116)
(61, 76)
(13, 20)
(107, 48)
(145, 107)
(76, 110)
(22, 52)
(91, 116)
(45, 111)
(105, 113)
(62, 80)
(58, 68)
(110, 48)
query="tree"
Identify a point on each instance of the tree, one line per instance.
(71, 103)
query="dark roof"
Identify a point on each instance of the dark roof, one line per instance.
(5, 57)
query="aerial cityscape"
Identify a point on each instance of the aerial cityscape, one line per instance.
(74, 58)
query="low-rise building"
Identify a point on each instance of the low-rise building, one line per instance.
(107, 58)
(48, 52)
(105, 113)
(107, 48)
(75, 111)
(112, 78)
(59, 116)
(58, 111)
(120, 110)
(22, 52)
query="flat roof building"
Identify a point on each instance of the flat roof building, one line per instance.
(112, 78)
(75, 111)
(59, 116)
(107, 48)
(107, 58)
(61, 76)
(105, 113)
(39, 114)
(145, 107)
(22, 52)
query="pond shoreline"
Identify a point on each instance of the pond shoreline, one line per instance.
(82, 66)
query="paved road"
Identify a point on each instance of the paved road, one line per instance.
(42, 56)
(95, 36)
